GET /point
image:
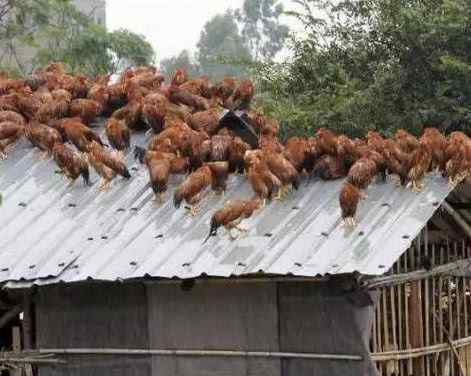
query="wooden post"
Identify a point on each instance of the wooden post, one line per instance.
(16, 336)
(416, 326)
(27, 322)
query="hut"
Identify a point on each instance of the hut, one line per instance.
(110, 284)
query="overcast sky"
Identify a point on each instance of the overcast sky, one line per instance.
(170, 25)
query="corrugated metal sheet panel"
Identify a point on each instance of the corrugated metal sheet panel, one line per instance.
(51, 232)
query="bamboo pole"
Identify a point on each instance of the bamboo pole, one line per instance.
(203, 353)
(417, 274)
(419, 352)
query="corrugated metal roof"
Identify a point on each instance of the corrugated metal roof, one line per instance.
(50, 232)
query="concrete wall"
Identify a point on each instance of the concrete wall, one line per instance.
(272, 317)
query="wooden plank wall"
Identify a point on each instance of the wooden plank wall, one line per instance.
(413, 315)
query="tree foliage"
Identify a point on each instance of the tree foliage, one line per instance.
(59, 32)
(221, 44)
(183, 60)
(261, 28)
(377, 64)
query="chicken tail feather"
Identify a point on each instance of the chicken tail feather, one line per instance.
(126, 174)
(213, 230)
(139, 153)
(85, 172)
(177, 200)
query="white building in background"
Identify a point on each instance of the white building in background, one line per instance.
(23, 55)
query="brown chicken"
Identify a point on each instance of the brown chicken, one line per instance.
(10, 132)
(192, 188)
(231, 215)
(132, 116)
(118, 134)
(106, 164)
(9, 103)
(86, 109)
(78, 133)
(117, 96)
(349, 199)
(220, 174)
(397, 161)
(43, 137)
(197, 147)
(263, 182)
(328, 167)
(362, 173)
(52, 110)
(159, 166)
(12, 116)
(180, 96)
(224, 89)
(154, 111)
(406, 141)
(296, 151)
(327, 141)
(180, 77)
(347, 151)
(271, 143)
(71, 164)
(180, 165)
(198, 86)
(437, 144)
(220, 147)
(283, 170)
(236, 155)
(420, 165)
(458, 166)
(28, 105)
(243, 95)
(207, 121)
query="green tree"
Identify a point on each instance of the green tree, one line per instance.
(59, 32)
(377, 64)
(183, 60)
(261, 27)
(221, 47)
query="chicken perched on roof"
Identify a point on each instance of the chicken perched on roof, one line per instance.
(159, 166)
(185, 126)
(119, 135)
(10, 132)
(106, 164)
(232, 214)
(192, 188)
(71, 164)
(43, 137)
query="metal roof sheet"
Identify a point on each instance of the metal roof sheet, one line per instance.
(52, 232)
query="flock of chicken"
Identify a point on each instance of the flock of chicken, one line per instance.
(55, 111)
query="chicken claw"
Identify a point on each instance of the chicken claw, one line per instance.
(242, 229)
(349, 222)
(3, 156)
(159, 199)
(417, 187)
(104, 186)
(193, 210)
(44, 155)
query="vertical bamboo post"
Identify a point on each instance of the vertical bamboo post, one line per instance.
(434, 310)
(416, 325)
(451, 328)
(406, 311)
(400, 345)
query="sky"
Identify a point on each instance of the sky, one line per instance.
(170, 25)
